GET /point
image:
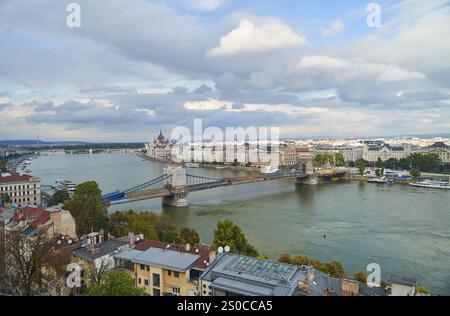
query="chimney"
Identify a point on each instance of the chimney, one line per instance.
(305, 285)
(212, 256)
(188, 247)
(349, 287)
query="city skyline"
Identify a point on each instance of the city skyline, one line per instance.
(311, 69)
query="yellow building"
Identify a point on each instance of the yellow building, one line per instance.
(165, 269)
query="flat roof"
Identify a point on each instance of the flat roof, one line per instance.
(168, 259)
(245, 275)
(403, 280)
(101, 250)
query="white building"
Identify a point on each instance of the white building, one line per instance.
(442, 150)
(160, 148)
(385, 152)
(401, 286)
(23, 189)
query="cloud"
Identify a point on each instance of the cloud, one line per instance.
(335, 28)
(340, 70)
(252, 37)
(204, 5)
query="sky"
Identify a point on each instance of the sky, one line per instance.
(135, 67)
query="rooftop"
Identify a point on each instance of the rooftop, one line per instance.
(14, 177)
(34, 216)
(202, 251)
(249, 276)
(99, 250)
(168, 259)
(402, 280)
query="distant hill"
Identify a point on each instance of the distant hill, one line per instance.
(29, 142)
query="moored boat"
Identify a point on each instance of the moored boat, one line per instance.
(433, 184)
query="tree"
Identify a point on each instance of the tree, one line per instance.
(415, 173)
(5, 198)
(2, 165)
(229, 234)
(421, 290)
(87, 209)
(116, 283)
(333, 268)
(59, 197)
(189, 236)
(379, 163)
(339, 160)
(362, 164)
(378, 172)
(35, 265)
(360, 277)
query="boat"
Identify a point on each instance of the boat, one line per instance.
(382, 180)
(431, 184)
(221, 167)
(269, 170)
(192, 165)
(66, 185)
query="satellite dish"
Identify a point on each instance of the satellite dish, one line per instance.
(220, 249)
(227, 248)
(59, 242)
(69, 241)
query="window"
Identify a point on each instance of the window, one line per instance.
(142, 267)
(176, 290)
(170, 273)
(156, 281)
(156, 292)
(148, 268)
(176, 274)
(146, 282)
(139, 281)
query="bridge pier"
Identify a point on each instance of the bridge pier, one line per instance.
(177, 199)
(176, 184)
(311, 179)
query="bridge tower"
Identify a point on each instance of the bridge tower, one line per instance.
(176, 184)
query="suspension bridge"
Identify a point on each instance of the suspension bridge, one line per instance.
(175, 185)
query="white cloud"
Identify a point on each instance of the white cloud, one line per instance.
(252, 37)
(154, 91)
(341, 70)
(335, 28)
(204, 5)
(208, 105)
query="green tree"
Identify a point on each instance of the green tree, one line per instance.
(116, 283)
(87, 208)
(378, 172)
(2, 165)
(415, 173)
(361, 166)
(122, 223)
(229, 234)
(189, 236)
(339, 160)
(59, 197)
(379, 163)
(421, 290)
(360, 277)
(5, 198)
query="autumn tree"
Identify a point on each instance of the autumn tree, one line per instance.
(87, 208)
(360, 276)
(34, 265)
(189, 236)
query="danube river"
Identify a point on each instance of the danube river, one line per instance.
(404, 229)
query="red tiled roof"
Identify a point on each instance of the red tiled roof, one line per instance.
(15, 177)
(303, 150)
(203, 251)
(35, 216)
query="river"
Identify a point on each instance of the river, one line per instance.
(404, 229)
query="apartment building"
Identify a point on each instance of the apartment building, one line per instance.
(165, 269)
(442, 150)
(23, 189)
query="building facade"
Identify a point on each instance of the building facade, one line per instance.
(385, 152)
(22, 189)
(160, 148)
(442, 150)
(165, 269)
